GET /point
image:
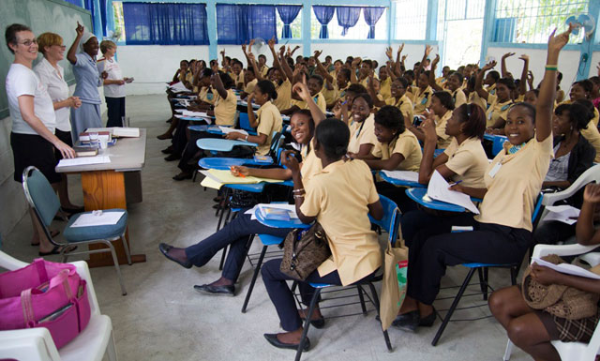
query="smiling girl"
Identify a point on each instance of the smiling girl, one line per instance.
(362, 127)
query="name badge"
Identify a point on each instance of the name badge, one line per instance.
(495, 169)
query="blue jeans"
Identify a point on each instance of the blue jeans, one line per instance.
(236, 235)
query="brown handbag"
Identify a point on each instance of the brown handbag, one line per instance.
(558, 300)
(304, 251)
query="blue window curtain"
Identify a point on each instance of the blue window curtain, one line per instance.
(165, 24)
(347, 17)
(288, 13)
(324, 14)
(372, 16)
(238, 24)
(103, 16)
(74, 2)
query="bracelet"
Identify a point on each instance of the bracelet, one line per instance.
(247, 135)
(551, 67)
(301, 190)
(296, 196)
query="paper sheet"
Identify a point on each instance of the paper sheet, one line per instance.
(220, 177)
(567, 268)
(438, 190)
(564, 213)
(106, 218)
(100, 159)
(404, 175)
(227, 130)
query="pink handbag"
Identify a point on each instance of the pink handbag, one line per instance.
(45, 294)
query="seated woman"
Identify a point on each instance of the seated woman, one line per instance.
(573, 155)
(533, 330)
(499, 101)
(340, 198)
(362, 127)
(502, 232)
(185, 76)
(442, 107)
(235, 234)
(453, 86)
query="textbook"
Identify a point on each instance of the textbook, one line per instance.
(274, 214)
(405, 175)
(85, 151)
(85, 136)
(567, 268)
(117, 132)
(217, 178)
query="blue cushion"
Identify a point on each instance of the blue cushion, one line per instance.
(79, 234)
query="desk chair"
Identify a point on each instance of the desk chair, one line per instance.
(568, 351)
(389, 223)
(36, 344)
(244, 123)
(44, 202)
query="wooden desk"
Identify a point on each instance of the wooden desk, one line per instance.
(104, 188)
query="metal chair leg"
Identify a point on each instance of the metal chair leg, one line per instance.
(453, 307)
(376, 304)
(508, 351)
(116, 262)
(110, 349)
(254, 277)
(361, 297)
(223, 255)
(126, 248)
(311, 309)
(482, 283)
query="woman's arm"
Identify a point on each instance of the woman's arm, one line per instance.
(354, 66)
(251, 117)
(376, 210)
(547, 276)
(272, 173)
(302, 90)
(470, 191)
(71, 54)
(391, 163)
(479, 80)
(585, 230)
(428, 163)
(321, 69)
(432, 81)
(217, 84)
(523, 82)
(371, 88)
(291, 163)
(503, 71)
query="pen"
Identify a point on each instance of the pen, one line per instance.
(455, 183)
(232, 169)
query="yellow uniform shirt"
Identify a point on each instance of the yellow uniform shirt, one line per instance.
(513, 183)
(592, 135)
(187, 76)
(319, 99)
(406, 144)
(496, 110)
(225, 109)
(362, 133)
(269, 121)
(207, 97)
(284, 95)
(263, 71)
(330, 95)
(311, 164)
(385, 88)
(458, 97)
(237, 79)
(491, 89)
(440, 129)
(339, 197)
(404, 104)
(422, 100)
(474, 98)
(249, 88)
(468, 161)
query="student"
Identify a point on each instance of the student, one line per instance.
(315, 84)
(186, 77)
(385, 83)
(82, 56)
(362, 127)
(268, 120)
(262, 65)
(282, 84)
(422, 95)
(531, 96)
(399, 99)
(453, 85)
(342, 106)
(114, 84)
(340, 198)
(249, 82)
(52, 76)
(502, 232)
(595, 94)
(499, 102)
(31, 109)
(441, 107)
(583, 90)
(533, 330)
(472, 96)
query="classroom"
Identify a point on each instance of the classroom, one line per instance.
(420, 177)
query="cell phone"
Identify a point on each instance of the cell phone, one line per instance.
(54, 315)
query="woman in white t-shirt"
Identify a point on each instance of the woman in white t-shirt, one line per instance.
(33, 120)
(114, 84)
(52, 75)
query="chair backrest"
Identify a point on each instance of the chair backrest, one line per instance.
(40, 195)
(276, 143)
(244, 122)
(390, 220)
(498, 144)
(537, 210)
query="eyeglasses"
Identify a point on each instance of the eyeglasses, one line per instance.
(61, 46)
(29, 42)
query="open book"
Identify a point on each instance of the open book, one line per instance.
(405, 175)
(438, 190)
(217, 178)
(567, 268)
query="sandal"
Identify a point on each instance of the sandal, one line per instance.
(52, 233)
(57, 250)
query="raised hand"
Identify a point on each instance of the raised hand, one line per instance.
(491, 65)
(524, 57)
(318, 53)
(281, 51)
(507, 55)
(557, 42)
(591, 193)
(435, 61)
(79, 29)
(222, 53)
(251, 43)
(272, 43)
(302, 90)
(401, 48)
(428, 49)
(355, 62)
(244, 48)
(388, 52)
(403, 58)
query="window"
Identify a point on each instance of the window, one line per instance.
(532, 21)
(295, 26)
(358, 32)
(238, 24)
(411, 19)
(119, 31)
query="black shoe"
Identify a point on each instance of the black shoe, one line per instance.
(168, 150)
(181, 176)
(172, 157)
(318, 323)
(428, 321)
(272, 338)
(165, 248)
(408, 321)
(210, 289)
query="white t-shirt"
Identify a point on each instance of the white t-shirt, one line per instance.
(58, 89)
(114, 73)
(21, 80)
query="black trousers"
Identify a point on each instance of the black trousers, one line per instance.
(190, 149)
(115, 111)
(434, 248)
(283, 298)
(397, 195)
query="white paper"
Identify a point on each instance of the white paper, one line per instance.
(106, 218)
(567, 268)
(564, 213)
(227, 130)
(438, 190)
(125, 132)
(190, 113)
(404, 175)
(99, 159)
(178, 87)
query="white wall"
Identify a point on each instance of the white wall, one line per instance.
(595, 62)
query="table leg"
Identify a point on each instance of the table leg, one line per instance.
(105, 190)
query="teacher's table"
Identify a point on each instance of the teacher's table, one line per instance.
(112, 185)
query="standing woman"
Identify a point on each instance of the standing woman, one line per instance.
(82, 55)
(33, 121)
(52, 76)
(114, 84)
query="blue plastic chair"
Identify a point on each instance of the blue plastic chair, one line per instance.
(44, 202)
(498, 144)
(244, 123)
(482, 269)
(221, 145)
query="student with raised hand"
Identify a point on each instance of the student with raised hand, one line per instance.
(82, 56)
(500, 102)
(315, 84)
(533, 330)
(362, 127)
(31, 109)
(268, 118)
(336, 82)
(423, 92)
(399, 98)
(441, 108)
(340, 198)
(283, 85)
(502, 232)
(250, 81)
(185, 76)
